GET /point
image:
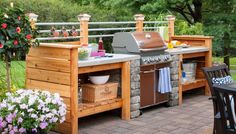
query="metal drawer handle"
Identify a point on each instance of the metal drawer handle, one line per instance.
(151, 71)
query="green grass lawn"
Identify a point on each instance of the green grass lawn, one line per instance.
(17, 73)
(232, 64)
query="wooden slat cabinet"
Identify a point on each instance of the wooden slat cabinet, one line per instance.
(203, 59)
(54, 67)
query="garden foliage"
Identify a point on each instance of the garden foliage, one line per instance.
(31, 111)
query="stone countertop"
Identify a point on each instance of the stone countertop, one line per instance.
(193, 49)
(107, 60)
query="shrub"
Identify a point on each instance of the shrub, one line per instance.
(31, 111)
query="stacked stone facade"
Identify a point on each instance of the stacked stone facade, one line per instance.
(174, 68)
(135, 84)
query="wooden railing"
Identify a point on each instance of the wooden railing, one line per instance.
(85, 32)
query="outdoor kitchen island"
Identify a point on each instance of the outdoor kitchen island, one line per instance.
(55, 67)
(199, 51)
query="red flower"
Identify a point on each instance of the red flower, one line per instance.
(19, 18)
(18, 30)
(1, 45)
(28, 36)
(15, 42)
(4, 25)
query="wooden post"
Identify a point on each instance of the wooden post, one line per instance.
(139, 18)
(171, 26)
(208, 62)
(125, 93)
(180, 79)
(74, 90)
(84, 18)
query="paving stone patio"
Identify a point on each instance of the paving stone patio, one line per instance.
(194, 116)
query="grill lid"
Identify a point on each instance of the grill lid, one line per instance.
(138, 42)
(147, 40)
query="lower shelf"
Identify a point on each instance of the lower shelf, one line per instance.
(195, 84)
(86, 109)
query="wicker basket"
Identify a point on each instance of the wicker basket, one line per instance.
(95, 93)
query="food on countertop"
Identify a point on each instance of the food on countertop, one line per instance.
(84, 53)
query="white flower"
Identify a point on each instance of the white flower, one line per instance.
(10, 108)
(23, 106)
(6, 16)
(34, 116)
(8, 94)
(54, 119)
(45, 109)
(56, 95)
(42, 118)
(48, 100)
(3, 105)
(31, 101)
(49, 115)
(54, 111)
(62, 119)
(30, 110)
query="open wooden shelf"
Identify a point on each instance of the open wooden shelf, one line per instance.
(89, 108)
(194, 84)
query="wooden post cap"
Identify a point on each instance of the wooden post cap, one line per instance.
(32, 17)
(84, 17)
(170, 17)
(138, 17)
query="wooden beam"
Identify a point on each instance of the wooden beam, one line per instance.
(180, 79)
(99, 68)
(48, 76)
(48, 64)
(51, 52)
(194, 55)
(51, 87)
(195, 84)
(74, 90)
(125, 90)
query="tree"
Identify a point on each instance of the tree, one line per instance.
(220, 21)
(16, 36)
(191, 10)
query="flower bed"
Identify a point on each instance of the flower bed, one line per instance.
(31, 111)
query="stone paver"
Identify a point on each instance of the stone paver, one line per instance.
(194, 116)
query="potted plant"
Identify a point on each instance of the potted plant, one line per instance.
(16, 36)
(31, 111)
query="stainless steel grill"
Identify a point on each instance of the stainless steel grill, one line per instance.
(149, 45)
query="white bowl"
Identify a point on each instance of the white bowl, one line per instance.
(99, 79)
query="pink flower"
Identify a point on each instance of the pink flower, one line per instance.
(19, 18)
(43, 125)
(1, 124)
(4, 25)
(20, 120)
(15, 42)
(15, 129)
(18, 30)
(1, 45)
(22, 130)
(28, 36)
(12, 132)
(34, 130)
(9, 118)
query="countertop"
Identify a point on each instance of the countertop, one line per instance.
(107, 60)
(191, 49)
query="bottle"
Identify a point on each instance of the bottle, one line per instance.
(184, 79)
(100, 44)
(79, 92)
